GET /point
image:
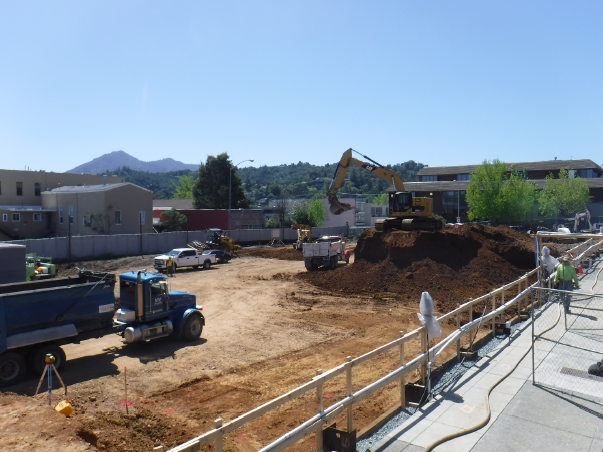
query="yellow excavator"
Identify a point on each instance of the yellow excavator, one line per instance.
(407, 212)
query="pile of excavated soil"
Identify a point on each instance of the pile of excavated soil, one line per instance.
(453, 265)
(285, 253)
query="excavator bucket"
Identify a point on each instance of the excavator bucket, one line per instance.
(337, 207)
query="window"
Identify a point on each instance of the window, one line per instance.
(37, 189)
(141, 217)
(19, 188)
(60, 214)
(587, 174)
(16, 217)
(4, 217)
(70, 214)
(430, 178)
(118, 217)
(454, 202)
(376, 211)
(463, 177)
(37, 217)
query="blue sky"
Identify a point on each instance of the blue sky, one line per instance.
(438, 82)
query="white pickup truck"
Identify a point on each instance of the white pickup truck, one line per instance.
(185, 257)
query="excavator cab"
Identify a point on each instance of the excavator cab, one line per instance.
(400, 202)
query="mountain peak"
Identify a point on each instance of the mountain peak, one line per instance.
(117, 159)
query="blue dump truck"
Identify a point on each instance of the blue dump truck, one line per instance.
(37, 317)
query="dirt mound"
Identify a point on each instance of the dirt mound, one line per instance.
(286, 253)
(453, 265)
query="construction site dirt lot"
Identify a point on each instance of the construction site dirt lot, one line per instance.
(269, 326)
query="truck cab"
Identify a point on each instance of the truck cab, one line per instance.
(149, 310)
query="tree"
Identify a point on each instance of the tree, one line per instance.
(316, 212)
(185, 189)
(211, 189)
(281, 209)
(565, 196)
(312, 213)
(275, 189)
(172, 220)
(496, 194)
(272, 223)
(299, 213)
(383, 199)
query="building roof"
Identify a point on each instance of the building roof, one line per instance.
(546, 165)
(462, 185)
(436, 186)
(178, 204)
(26, 209)
(90, 188)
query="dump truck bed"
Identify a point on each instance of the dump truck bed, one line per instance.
(86, 301)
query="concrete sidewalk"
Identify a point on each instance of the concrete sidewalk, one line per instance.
(524, 417)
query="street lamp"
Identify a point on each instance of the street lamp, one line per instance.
(230, 191)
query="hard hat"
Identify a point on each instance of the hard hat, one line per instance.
(566, 259)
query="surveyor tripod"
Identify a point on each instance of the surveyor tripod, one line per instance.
(48, 368)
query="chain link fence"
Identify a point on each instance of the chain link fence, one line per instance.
(567, 348)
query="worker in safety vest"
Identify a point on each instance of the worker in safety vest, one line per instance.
(567, 279)
(170, 267)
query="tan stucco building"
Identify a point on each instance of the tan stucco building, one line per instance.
(21, 212)
(122, 208)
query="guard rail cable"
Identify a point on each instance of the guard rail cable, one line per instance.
(325, 415)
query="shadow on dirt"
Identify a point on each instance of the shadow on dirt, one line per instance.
(87, 368)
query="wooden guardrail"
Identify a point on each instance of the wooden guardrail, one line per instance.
(497, 299)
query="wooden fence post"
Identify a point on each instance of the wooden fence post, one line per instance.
(403, 377)
(493, 296)
(424, 349)
(319, 409)
(458, 342)
(348, 376)
(219, 444)
(519, 301)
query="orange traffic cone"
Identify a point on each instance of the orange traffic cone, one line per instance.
(580, 272)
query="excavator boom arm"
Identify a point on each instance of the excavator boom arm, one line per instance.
(375, 168)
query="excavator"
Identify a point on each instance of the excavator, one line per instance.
(407, 212)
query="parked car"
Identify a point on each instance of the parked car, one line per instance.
(221, 256)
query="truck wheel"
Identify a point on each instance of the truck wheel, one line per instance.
(333, 262)
(309, 266)
(225, 247)
(38, 358)
(206, 265)
(12, 368)
(174, 267)
(192, 327)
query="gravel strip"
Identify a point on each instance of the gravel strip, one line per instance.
(440, 383)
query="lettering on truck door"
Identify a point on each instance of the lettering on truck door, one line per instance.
(158, 298)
